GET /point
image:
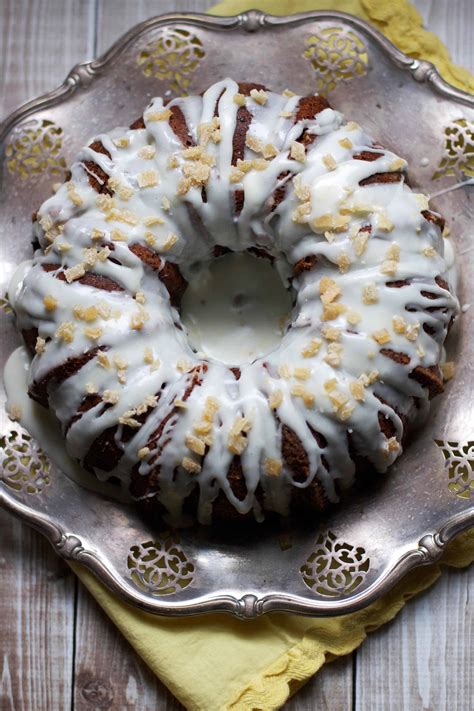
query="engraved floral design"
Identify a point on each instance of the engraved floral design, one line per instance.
(172, 57)
(336, 53)
(335, 567)
(459, 460)
(34, 149)
(458, 157)
(23, 465)
(160, 567)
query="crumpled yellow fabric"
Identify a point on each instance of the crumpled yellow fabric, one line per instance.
(220, 663)
(397, 19)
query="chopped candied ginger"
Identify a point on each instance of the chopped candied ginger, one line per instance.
(147, 152)
(330, 333)
(259, 96)
(50, 302)
(74, 273)
(111, 396)
(273, 467)
(195, 444)
(297, 152)
(65, 332)
(170, 241)
(237, 441)
(300, 391)
(73, 195)
(148, 179)
(353, 317)
(334, 354)
(15, 412)
(236, 175)
(345, 143)
(103, 361)
(329, 290)
(239, 99)
(343, 262)
(275, 399)
(40, 345)
(332, 311)
(328, 222)
(329, 162)
(190, 465)
(302, 373)
(384, 223)
(448, 369)
(139, 319)
(381, 336)
(399, 324)
(312, 348)
(357, 389)
(94, 333)
(164, 115)
(370, 293)
(197, 173)
(412, 331)
(360, 243)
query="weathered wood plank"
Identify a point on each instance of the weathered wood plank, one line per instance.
(109, 673)
(453, 22)
(424, 660)
(116, 17)
(39, 42)
(330, 689)
(37, 614)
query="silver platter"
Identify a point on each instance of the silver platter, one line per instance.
(348, 560)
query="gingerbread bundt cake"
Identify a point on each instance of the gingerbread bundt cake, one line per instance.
(237, 169)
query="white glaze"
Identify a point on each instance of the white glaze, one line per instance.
(235, 309)
(200, 226)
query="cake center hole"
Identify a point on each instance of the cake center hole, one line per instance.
(235, 309)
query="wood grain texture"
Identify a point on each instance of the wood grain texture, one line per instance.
(108, 673)
(423, 660)
(40, 40)
(331, 689)
(117, 16)
(37, 622)
(453, 22)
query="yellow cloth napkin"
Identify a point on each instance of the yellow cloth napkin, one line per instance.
(218, 662)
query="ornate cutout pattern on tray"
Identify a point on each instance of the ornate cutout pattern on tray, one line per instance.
(23, 465)
(160, 567)
(336, 54)
(335, 567)
(172, 57)
(34, 149)
(458, 157)
(459, 461)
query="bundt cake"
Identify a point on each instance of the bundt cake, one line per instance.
(239, 169)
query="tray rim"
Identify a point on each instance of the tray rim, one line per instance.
(67, 544)
(84, 73)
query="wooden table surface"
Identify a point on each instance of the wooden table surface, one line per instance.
(57, 649)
